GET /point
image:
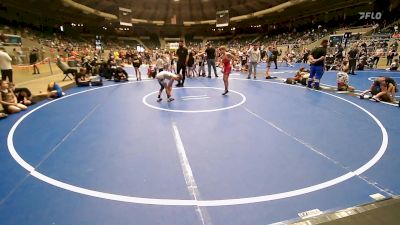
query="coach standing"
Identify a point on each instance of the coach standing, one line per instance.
(352, 55)
(210, 51)
(317, 59)
(5, 65)
(183, 57)
(254, 58)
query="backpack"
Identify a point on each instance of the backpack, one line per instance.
(96, 81)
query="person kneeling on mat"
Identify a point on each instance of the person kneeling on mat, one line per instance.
(382, 89)
(24, 95)
(54, 91)
(301, 77)
(120, 75)
(80, 78)
(342, 78)
(166, 80)
(9, 100)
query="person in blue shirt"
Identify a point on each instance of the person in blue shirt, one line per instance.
(54, 91)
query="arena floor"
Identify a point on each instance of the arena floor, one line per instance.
(263, 154)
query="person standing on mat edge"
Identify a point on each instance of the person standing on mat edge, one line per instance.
(275, 55)
(162, 78)
(210, 51)
(183, 57)
(352, 55)
(317, 58)
(254, 58)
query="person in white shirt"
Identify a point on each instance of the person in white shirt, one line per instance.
(254, 58)
(160, 63)
(342, 78)
(5, 65)
(166, 80)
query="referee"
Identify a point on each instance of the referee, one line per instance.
(183, 58)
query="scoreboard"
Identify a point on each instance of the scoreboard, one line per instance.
(125, 17)
(222, 18)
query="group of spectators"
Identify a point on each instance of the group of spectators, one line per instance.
(365, 54)
(196, 60)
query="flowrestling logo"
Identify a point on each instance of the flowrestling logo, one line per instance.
(370, 15)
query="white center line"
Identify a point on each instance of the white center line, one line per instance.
(199, 98)
(189, 178)
(194, 96)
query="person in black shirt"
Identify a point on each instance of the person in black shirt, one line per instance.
(305, 55)
(24, 95)
(183, 57)
(33, 58)
(317, 58)
(80, 78)
(275, 55)
(352, 55)
(120, 75)
(210, 51)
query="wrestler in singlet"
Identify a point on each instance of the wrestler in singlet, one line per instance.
(226, 62)
(226, 65)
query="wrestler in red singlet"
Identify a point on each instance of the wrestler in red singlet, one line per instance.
(227, 65)
(226, 61)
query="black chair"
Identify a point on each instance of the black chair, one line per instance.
(66, 70)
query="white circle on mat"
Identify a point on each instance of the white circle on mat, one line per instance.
(186, 202)
(144, 100)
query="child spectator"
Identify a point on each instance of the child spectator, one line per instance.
(54, 91)
(394, 66)
(9, 100)
(24, 95)
(342, 78)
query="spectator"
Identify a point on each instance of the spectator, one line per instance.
(210, 51)
(80, 78)
(394, 66)
(24, 95)
(191, 65)
(201, 62)
(33, 59)
(137, 62)
(183, 57)
(17, 56)
(120, 75)
(159, 64)
(352, 56)
(9, 100)
(382, 89)
(54, 91)
(302, 76)
(275, 55)
(390, 55)
(388, 87)
(254, 58)
(342, 78)
(5, 65)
